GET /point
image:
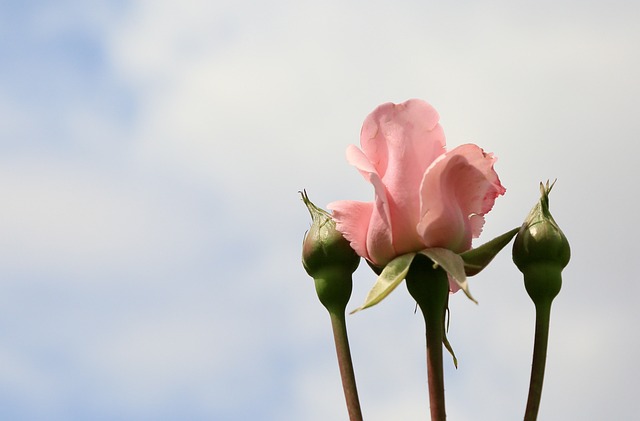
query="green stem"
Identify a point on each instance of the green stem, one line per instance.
(543, 315)
(339, 325)
(430, 288)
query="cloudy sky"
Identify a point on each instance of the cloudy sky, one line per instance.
(150, 228)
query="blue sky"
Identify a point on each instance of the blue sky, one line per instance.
(150, 158)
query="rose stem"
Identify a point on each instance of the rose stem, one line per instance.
(339, 325)
(541, 339)
(430, 288)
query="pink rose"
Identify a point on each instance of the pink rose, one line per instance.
(425, 196)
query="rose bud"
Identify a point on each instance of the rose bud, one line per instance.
(328, 258)
(541, 250)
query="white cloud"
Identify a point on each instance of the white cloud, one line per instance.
(70, 218)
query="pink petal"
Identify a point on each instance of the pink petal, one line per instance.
(366, 228)
(352, 220)
(400, 141)
(358, 159)
(457, 190)
(379, 242)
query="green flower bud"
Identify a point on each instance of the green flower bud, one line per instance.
(328, 258)
(541, 250)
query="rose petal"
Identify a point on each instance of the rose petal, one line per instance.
(380, 238)
(352, 220)
(379, 241)
(358, 159)
(457, 190)
(400, 141)
(365, 225)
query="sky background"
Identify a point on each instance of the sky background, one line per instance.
(151, 154)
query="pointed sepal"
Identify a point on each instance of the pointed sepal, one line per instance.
(449, 348)
(453, 264)
(390, 277)
(478, 258)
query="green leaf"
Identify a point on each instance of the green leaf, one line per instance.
(453, 264)
(390, 277)
(478, 258)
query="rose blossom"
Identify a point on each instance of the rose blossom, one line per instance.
(425, 196)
